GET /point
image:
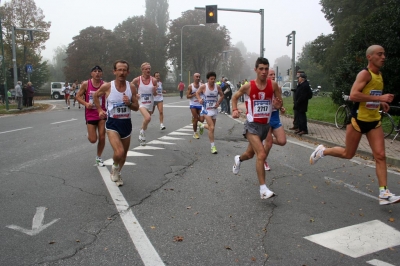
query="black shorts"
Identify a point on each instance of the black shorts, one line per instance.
(364, 127)
(122, 126)
(94, 122)
(258, 129)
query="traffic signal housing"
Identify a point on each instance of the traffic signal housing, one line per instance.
(289, 40)
(287, 72)
(211, 14)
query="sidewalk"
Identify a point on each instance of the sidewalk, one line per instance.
(329, 135)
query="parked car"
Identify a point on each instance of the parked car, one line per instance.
(55, 90)
(286, 89)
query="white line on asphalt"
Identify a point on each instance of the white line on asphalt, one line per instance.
(15, 130)
(376, 262)
(351, 187)
(176, 106)
(143, 245)
(73, 119)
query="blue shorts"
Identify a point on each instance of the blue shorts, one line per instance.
(198, 107)
(122, 126)
(275, 121)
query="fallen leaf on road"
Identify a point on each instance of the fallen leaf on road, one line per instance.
(253, 259)
(312, 220)
(77, 240)
(391, 220)
(152, 227)
(188, 207)
(52, 242)
(228, 247)
(178, 238)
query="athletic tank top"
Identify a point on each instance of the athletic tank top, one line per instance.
(91, 113)
(193, 101)
(369, 111)
(146, 92)
(159, 96)
(116, 108)
(210, 97)
(259, 103)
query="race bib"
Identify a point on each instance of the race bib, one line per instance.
(210, 104)
(146, 98)
(120, 111)
(91, 94)
(373, 105)
(159, 91)
(262, 108)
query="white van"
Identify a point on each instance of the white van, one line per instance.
(55, 90)
(286, 89)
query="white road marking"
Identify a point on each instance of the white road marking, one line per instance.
(185, 129)
(147, 148)
(65, 121)
(15, 130)
(179, 134)
(111, 161)
(376, 262)
(160, 142)
(169, 138)
(175, 106)
(190, 126)
(359, 240)
(351, 187)
(139, 154)
(139, 238)
(37, 223)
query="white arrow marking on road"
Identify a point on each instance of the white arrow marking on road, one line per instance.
(179, 134)
(160, 142)
(37, 223)
(111, 161)
(147, 148)
(73, 119)
(139, 154)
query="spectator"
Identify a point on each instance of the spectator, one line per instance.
(227, 96)
(302, 95)
(181, 87)
(295, 118)
(30, 93)
(18, 94)
(24, 96)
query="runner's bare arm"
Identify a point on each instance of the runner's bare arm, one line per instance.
(200, 91)
(154, 86)
(277, 101)
(361, 81)
(81, 92)
(134, 101)
(103, 90)
(189, 92)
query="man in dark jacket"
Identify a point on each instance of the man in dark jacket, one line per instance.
(302, 95)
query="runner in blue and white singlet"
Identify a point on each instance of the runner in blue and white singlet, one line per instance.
(195, 105)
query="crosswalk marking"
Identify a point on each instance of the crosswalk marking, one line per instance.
(111, 161)
(147, 148)
(160, 142)
(376, 262)
(179, 134)
(184, 129)
(169, 138)
(138, 154)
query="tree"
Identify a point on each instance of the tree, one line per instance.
(201, 46)
(283, 63)
(58, 64)
(93, 46)
(233, 64)
(24, 14)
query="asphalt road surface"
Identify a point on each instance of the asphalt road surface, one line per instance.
(180, 204)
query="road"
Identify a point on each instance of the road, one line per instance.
(180, 204)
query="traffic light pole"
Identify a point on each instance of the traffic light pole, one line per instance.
(261, 12)
(293, 61)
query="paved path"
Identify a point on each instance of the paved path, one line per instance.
(329, 135)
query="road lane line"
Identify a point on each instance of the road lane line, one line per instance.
(143, 245)
(15, 130)
(73, 119)
(351, 187)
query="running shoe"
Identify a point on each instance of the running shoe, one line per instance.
(119, 182)
(162, 127)
(196, 135)
(214, 150)
(236, 165)
(99, 161)
(114, 173)
(266, 166)
(68, 107)
(266, 194)
(386, 197)
(317, 154)
(201, 127)
(142, 138)
(73, 104)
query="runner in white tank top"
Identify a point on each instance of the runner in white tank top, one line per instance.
(147, 89)
(211, 104)
(121, 99)
(195, 105)
(159, 99)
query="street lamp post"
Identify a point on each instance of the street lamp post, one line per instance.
(200, 25)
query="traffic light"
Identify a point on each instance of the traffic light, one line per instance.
(287, 72)
(289, 40)
(211, 14)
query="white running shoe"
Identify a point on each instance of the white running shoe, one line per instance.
(196, 135)
(266, 194)
(99, 161)
(162, 127)
(317, 154)
(236, 165)
(68, 107)
(114, 173)
(142, 138)
(266, 166)
(386, 197)
(119, 182)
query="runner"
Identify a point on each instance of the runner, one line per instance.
(195, 106)
(210, 103)
(367, 94)
(67, 90)
(276, 128)
(75, 89)
(93, 121)
(120, 100)
(258, 96)
(146, 86)
(158, 100)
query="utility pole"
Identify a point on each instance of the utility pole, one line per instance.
(292, 36)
